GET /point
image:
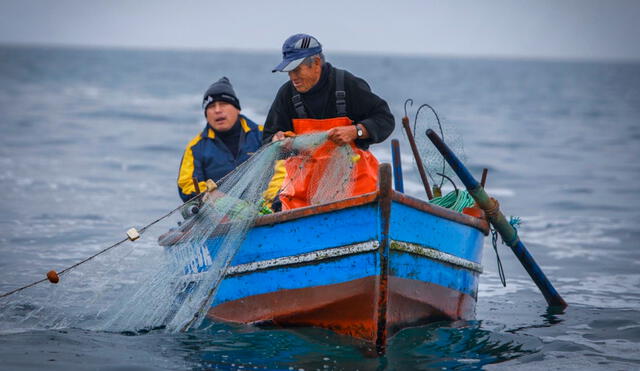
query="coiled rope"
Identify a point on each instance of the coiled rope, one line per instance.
(455, 200)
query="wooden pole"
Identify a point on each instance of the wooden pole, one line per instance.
(416, 156)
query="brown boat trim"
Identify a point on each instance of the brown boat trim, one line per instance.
(384, 202)
(302, 212)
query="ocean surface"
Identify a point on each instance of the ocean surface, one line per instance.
(91, 140)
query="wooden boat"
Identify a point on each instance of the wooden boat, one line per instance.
(366, 266)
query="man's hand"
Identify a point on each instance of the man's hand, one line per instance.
(277, 136)
(345, 134)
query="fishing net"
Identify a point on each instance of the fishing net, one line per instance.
(435, 165)
(140, 286)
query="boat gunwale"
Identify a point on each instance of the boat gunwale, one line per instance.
(285, 216)
(360, 200)
(416, 203)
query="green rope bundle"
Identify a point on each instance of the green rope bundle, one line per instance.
(455, 200)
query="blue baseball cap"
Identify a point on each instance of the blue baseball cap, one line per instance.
(295, 49)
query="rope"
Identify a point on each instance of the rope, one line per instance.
(142, 230)
(515, 223)
(24, 287)
(455, 200)
(494, 243)
(492, 212)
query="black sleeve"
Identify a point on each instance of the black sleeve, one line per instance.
(368, 109)
(279, 116)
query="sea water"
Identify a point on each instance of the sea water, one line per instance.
(90, 144)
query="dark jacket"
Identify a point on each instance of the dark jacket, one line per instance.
(207, 157)
(363, 107)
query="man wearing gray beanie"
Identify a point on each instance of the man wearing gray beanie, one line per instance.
(228, 139)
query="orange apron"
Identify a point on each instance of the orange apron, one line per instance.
(304, 172)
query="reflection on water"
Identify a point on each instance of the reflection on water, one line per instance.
(448, 345)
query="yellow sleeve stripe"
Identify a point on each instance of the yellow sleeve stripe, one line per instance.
(279, 173)
(244, 124)
(185, 182)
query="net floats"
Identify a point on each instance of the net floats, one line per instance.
(133, 234)
(53, 277)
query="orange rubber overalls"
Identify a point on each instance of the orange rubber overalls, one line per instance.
(300, 183)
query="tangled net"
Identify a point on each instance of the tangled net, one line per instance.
(145, 287)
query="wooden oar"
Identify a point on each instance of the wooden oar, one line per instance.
(499, 222)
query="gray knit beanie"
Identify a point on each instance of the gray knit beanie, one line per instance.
(220, 90)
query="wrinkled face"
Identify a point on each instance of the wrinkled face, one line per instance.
(305, 77)
(222, 115)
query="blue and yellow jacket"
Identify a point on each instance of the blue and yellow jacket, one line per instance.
(207, 157)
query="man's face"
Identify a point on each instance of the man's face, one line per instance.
(305, 77)
(222, 115)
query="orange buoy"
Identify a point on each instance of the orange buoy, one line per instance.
(53, 277)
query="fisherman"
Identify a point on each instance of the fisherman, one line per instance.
(320, 97)
(228, 140)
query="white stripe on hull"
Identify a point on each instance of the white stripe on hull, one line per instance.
(358, 248)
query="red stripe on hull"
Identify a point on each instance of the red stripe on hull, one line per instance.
(414, 303)
(350, 308)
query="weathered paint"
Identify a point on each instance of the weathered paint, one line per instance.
(420, 227)
(326, 272)
(311, 257)
(416, 267)
(312, 233)
(366, 267)
(347, 308)
(436, 255)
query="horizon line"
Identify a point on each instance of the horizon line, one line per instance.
(364, 53)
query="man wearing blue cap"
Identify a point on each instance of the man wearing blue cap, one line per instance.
(320, 97)
(228, 139)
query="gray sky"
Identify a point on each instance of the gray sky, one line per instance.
(574, 29)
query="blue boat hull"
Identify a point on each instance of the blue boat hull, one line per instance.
(366, 267)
